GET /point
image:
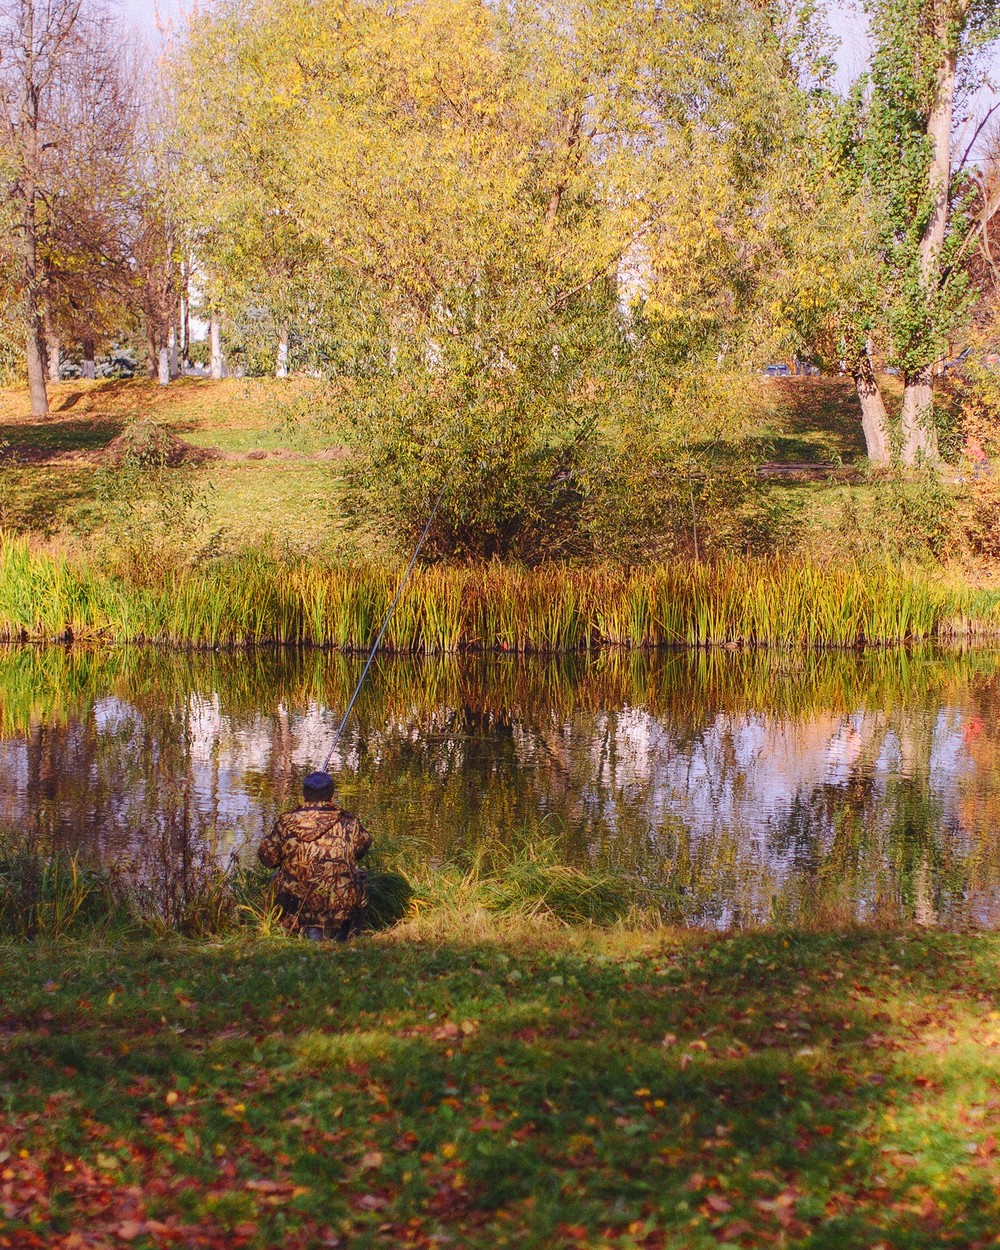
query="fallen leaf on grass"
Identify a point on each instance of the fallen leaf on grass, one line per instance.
(372, 1202)
(128, 1230)
(268, 1187)
(371, 1160)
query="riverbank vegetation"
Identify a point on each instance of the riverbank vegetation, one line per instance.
(553, 1088)
(260, 597)
(57, 895)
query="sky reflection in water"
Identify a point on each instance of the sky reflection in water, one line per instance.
(741, 788)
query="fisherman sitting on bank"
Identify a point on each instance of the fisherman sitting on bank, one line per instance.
(319, 887)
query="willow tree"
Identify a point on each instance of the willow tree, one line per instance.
(924, 56)
(473, 181)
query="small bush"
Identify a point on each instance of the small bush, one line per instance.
(908, 514)
(151, 506)
(389, 896)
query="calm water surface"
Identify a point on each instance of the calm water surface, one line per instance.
(741, 788)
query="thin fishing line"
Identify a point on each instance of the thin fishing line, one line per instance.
(385, 626)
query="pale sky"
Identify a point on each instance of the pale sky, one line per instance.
(848, 25)
(847, 19)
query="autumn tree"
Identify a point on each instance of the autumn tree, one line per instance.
(924, 56)
(87, 228)
(38, 39)
(237, 91)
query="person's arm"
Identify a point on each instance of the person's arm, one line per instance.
(360, 839)
(269, 851)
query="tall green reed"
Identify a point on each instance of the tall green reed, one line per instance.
(253, 597)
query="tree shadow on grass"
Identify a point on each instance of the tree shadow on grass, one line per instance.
(574, 1090)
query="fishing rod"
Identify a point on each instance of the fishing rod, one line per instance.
(385, 625)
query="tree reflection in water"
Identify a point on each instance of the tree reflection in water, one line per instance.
(742, 788)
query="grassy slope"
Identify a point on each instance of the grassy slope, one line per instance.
(547, 1090)
(294, 499)
(802, 420)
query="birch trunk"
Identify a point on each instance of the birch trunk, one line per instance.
(874, 418)
(172, 370)
(919, 434)
(164, 367)
(215, 346)
(281, 365)
(89, 361)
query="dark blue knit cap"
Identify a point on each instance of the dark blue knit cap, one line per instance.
(317, 786)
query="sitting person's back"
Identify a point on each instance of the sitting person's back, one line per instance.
(318, 886)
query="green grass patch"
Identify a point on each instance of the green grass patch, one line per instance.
(547, 1089)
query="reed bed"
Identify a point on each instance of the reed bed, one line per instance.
(256, 598)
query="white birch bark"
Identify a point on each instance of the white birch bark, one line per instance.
(215, 347)
(281, 363)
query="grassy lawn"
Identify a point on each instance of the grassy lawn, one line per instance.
(53, 491)
(555, 1088)
(811, 420)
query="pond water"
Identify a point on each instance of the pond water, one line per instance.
(741, 788)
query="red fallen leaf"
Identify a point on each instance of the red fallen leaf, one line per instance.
(128, 1230)
(268, 1187)
(575, 1231)
(405, 1142)
(824, 1130)
(719, 1204)
(738, 1228)
(987, 1148)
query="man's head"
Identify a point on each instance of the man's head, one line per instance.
(317, 787)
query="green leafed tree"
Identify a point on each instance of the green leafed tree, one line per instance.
(530, 238)
(924, 59)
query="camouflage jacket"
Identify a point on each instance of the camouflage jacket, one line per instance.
(315, 850)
